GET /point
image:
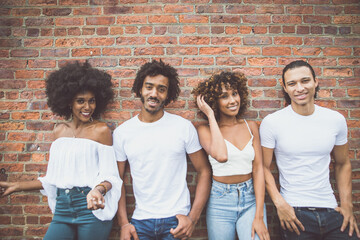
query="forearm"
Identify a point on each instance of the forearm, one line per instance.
(29, 186)
(218, 148)
(121, 212)
(343, 179)
(104, 187)
(272, 189)
(259, 188)
(201, 194)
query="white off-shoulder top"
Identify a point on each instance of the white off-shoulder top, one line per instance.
(80, 162)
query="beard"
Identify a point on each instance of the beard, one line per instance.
(153, 110)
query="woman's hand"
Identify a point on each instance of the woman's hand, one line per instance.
(7, 188)
(203, 106)
(259, 227)
(95, 200)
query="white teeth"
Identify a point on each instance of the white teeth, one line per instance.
(86, 114)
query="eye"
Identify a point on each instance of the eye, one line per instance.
(80, 101)
(235, 93)
(162, 90)
(291, 84)
(92, 101)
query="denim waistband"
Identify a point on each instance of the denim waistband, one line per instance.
(246, 184)
(70, 191)
(314, 209)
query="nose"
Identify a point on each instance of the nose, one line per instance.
(153, 92)
(86, 105)
(299, 87)
(231, 99)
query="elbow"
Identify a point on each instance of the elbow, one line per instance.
(222, 158)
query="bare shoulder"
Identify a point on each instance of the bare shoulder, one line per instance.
(60, 130)
(102, 133)
(203, 128)
(254, 127)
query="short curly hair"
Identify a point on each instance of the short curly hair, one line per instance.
(64, 84)
(155, 68)
(211, 89)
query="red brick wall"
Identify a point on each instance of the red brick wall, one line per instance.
(257, 37)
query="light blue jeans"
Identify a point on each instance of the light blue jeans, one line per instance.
(72, 220)
(231, 209)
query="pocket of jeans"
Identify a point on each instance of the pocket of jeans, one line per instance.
(217, 192)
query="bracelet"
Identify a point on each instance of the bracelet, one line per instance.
(125, 225)
(104, 186)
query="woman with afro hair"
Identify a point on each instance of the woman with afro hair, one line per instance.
(82, 182)
(236, 203)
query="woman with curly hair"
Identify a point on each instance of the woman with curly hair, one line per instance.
(236, 203)
(82, 183)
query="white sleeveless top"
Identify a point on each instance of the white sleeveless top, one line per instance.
(81, 162)
(239, 161)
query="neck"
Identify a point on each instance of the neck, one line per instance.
(147, 117)
(304, 110)
(227, 120)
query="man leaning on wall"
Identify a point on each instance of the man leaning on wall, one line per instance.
(303, 137)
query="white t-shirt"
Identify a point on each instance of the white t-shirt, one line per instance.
(302, 146)
(157, 156)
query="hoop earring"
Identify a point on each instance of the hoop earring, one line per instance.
(91, 119)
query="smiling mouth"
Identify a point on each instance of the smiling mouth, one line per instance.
(301, 96)
(233, 107)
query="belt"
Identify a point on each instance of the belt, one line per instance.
(312, 209)
(74, 190)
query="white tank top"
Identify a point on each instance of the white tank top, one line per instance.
(239, 161)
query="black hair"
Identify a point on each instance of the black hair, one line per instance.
(155, 68)
(211, 89)
(64, 84)
(297, 64)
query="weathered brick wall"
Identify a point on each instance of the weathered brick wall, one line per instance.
(257, 37)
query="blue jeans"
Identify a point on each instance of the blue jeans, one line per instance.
(319, 223)
(231, 209)
(72, 219)
(155, 229)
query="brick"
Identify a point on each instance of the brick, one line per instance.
(352, 10)
(100, 20)
(230, 61)
(26, 74)
(313, 41)
(25, 12)
(301, 9)
(69, 21)
(103, 62)
(116, 51)
(256, 19)
(24, 199)
(30, 22)
(11, 22)
(10, 43)
(275, 9)
(246, 50)
(329, 10)
(317, 19)
(306, 51)
(5, 32)
(178, 8)
(282, 51)
(322, 62)
(182, 51)
(40, 126)
(149, 51)
(38, 43)
(12, 84)
(104, 2)
(81, 52)
(210, 9)
(74, 2)
(257, 40)
(57, 11)
(69, 42)
(340, 72)
(39, 63)
(190, 40)
(198, 61)
(21, 136)
(32, 219)
(130, 41)
(346, 19)
(348, 103)
(214, 50)
(9, 3)
(262, 61)
(6, 74)
(287, 19)
(13, 106)
(131, 20)
(43, 2)
(224, 19)
(6, 126)
(12, 147)
(353, 92)
(11, 231)
(288, 40)
(347, 41)
(58, 52)
(88, 11)
(262, 82)
(168, 19)
(349, 61)
(162, 40)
